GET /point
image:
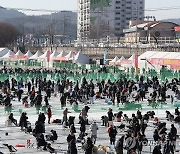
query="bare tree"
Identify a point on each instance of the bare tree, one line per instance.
(8, 34)
(100, 30)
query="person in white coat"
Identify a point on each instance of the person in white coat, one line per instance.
(93, 131)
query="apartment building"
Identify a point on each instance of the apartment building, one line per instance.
(101, 18)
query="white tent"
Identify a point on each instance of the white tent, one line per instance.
(9, 56)
(172, 55)
(54, 54)
(43, 56)
(19, 53)
(147, 55)
(132, 57)
(36, 55)
(120, 60)
(28, 54)
(114, 61)
(80, 58)
(151, 59)
(160, 54)
(62, 54)
(69, 56)
(3, 51)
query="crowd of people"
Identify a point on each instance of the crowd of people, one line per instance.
(39, 91)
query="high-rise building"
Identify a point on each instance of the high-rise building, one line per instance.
(101, 18)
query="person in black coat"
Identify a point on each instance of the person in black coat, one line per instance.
(156, 135)
(82, 128)
(41, 118)
(112, 134)
(38, 99)
(173, 131)
(48, 93)
(110, 115)
(157, 149)
(41, 142)
(19, 94)
(72, 129)
(119, 145)
(71, 139)
(11, 117)
(39, 128)
(7, 100)
(89, 146)
(23, 120)
(63, 100)
(29, 87)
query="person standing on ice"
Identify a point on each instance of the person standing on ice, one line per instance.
(65, 118)
(93, 128)
(49, 114)
(63, 100)
(112, 134)
(71, 139)
(110, 115)
(91, 96)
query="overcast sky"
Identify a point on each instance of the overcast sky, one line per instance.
(72, 5)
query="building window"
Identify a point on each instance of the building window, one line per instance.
(117, 18)
(117, 12)
(118, 7)
(118, 2)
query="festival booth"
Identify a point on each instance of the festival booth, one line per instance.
(70, 56)
(35, 56)
(33, 59)
(52, 56)
(80, 58)
(20, 57)
(28, 55)
(58, 59)
(3, 51)
(45, 59)
(8, 57)
(120, 61)
(157, 59)
(127, 63)
(114, 61)
(61, 56)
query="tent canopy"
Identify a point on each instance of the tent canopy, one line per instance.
(3, 51)
(19, 53)
(61, 56)
(70, 56)
(54, 54)
(114, 60)
(28, 54)
(147, 55)
(9, 56)
(121, 59)
(36, 55)
(80, 58)
(43, 56)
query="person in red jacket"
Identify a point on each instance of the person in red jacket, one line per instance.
(49, 114)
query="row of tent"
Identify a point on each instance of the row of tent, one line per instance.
(8, 55)
(150, 59)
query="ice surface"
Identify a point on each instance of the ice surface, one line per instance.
(16, 136)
